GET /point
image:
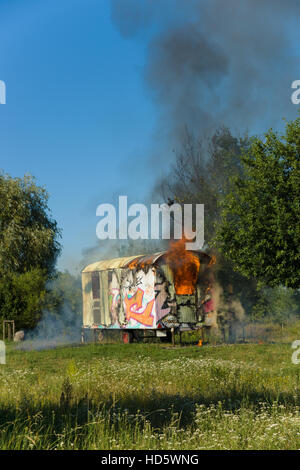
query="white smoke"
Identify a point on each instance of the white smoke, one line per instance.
(54, 330)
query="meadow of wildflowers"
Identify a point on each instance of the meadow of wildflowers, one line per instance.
(149, 396)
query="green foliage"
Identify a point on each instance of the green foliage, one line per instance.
(21, 297)
(279, 304)
(28, 235)
(28, 249)
(260, 227)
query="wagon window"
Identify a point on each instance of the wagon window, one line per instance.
(95, 285)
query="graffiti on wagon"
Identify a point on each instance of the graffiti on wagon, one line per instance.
(143, 291)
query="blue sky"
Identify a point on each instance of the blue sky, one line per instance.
(76, 110)
(78, 114)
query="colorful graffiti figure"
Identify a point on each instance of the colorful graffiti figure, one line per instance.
(134, 304)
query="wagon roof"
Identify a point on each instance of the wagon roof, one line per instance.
(137, 260)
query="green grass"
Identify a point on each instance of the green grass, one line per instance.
(150, 396)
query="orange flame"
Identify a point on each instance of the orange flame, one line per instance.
(138, 263)
(185, 266)
(134, 264)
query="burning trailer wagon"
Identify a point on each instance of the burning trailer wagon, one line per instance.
(159, 293)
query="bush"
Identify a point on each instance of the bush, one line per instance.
(21, 298)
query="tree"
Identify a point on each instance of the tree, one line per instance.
(278, 304)
(28, 235)
(21, 297)
(260, 220)
(28, 249)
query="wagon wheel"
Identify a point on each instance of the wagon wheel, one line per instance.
(100, 337)
(126, 337)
